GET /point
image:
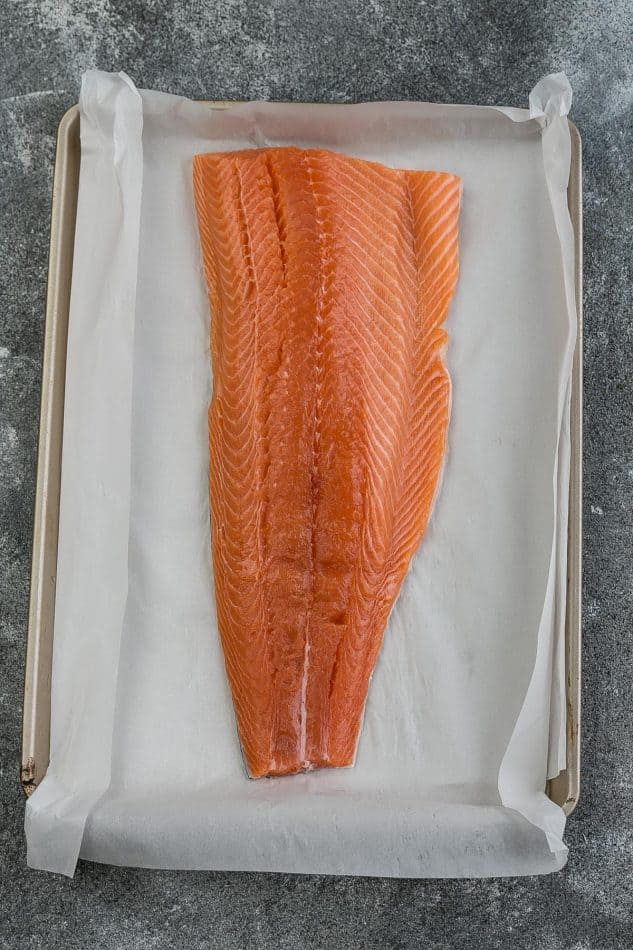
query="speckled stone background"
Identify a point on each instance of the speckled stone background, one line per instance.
(454, 51)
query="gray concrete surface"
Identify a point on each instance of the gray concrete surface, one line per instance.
(462, 51)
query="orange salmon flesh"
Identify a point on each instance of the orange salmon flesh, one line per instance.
(329, 280)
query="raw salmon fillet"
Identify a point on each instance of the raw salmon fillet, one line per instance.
(329, 279)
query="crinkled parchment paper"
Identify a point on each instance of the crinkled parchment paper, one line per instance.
(466, 708)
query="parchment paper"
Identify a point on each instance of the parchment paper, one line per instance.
(464, 714)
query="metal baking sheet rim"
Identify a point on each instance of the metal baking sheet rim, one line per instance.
(564, 789)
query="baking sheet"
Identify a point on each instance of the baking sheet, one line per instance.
(158, 730)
